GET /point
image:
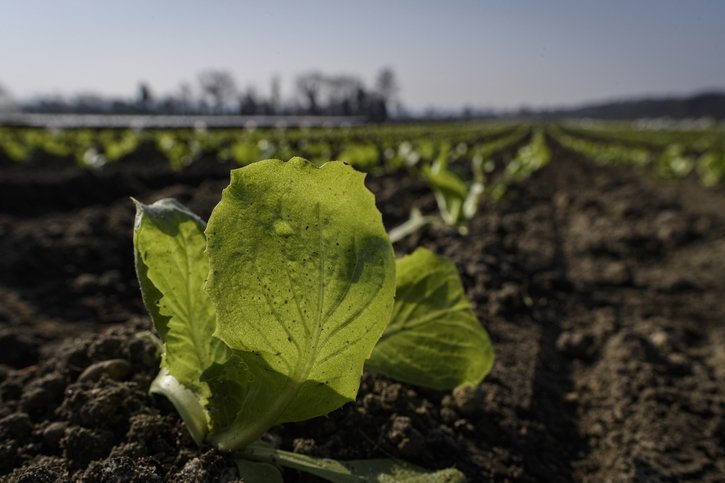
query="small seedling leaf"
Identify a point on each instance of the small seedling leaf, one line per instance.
(450, 192)
(172, 268)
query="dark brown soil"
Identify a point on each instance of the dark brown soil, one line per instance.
(602, 290)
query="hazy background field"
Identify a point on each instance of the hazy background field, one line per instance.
(375, 59)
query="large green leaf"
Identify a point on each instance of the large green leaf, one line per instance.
(302, 277)
(172, 269)
(353, 471)
(434, 339)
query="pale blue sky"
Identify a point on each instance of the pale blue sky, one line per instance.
(499, 54)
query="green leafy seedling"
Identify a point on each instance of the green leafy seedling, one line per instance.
(457, 202)
(270, 313)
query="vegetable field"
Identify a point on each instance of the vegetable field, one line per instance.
(222, 337)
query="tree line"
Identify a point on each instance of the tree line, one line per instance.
(217, 92)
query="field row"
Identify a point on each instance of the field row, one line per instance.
(471, 152)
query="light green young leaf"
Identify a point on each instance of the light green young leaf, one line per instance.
(473, 200)
(434, 339)
(149, 293)
(446, 181)
(172, 268)
(354, 471)
(302, 277)
(186, 402)
(450, 192)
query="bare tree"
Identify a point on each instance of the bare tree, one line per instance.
(249, 103)
(342, 94)
(145, 97)
(386, 85)
(309, 87)
(332, 94)
(219, 86)
(275, 95)
(6, 100)
(186, 98)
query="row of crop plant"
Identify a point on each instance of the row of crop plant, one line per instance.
(703, 156)
(367, 146)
